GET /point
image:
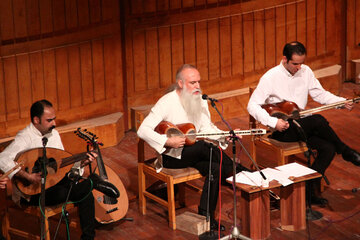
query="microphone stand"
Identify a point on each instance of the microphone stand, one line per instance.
(44, 162)
(310, 213)
(235, 234)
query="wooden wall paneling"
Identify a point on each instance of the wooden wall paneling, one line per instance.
(46, 16)
(149, 6)
(270, 38)
(24, 81)
(290, 22)
(212, 2)
(6, 20)
(280, 37)
(75, 75)
(98, 70)
(152, 58)
(37, 76)
(200, 2)
(166, 73)
(162, 5)
(311, 28)
(248, 28)
(225, 47)
(214, 49)
(19, 8)
(83, 14)
(86, 73)
(62, 78)
(177, 48)
(136, 6)
(202, 49)
(50, 77)
(110, 10)
(188, 3)
(320, 27)
(95, 11)
(139, 60)
(113, 69)
(11, 88)
(129, 61)
(2, 93)
(259, 40)
(71, 14)
(301, 22)
(189, 43)
(59, 15)
(357, 24)
(33, 18)
(237, 49)
(175, 4)
(333, 14)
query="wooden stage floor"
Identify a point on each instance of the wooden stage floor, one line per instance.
(341, 217)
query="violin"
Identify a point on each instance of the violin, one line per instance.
(189, 132)
(289, 110)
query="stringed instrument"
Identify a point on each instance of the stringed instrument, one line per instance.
(289, 110)
(189, 132)
(59, 163)
(107, 209)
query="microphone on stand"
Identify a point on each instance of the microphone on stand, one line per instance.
(354, 190)
(206, 97)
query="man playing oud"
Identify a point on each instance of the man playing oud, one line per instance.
(293, 81)
(185, 105)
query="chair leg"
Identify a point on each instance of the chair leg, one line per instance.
(6, 225)
(47, 227)
(171, 203)
(182, 194)
(141, 182)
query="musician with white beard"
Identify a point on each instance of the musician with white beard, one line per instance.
(293, 81)
(185, 105)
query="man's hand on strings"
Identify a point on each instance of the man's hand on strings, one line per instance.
(91, 157)
(282, 125)
(175, 142)
(229, 138)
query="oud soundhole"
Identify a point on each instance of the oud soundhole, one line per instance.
(51, 165)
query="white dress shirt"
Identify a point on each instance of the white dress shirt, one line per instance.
(278, 85)
(169, 108)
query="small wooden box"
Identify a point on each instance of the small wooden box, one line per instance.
(192, 223)
(138, 114)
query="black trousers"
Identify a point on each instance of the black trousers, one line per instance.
(57, 195)
(197, 156)
(319, 135)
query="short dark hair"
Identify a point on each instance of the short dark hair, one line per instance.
(293, 48)
(37, 109)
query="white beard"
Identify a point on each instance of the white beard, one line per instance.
(192, 104)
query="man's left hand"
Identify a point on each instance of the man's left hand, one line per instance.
(91, 157)
(349, 105)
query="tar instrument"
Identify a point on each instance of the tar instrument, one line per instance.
(289, 110)
(189, 132)
(107, 209)
(59, 163)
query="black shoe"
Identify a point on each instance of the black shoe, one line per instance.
(315, 200)
(351, 155)
(105, 187)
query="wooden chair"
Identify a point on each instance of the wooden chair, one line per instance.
(282, 150)
(168, 176)
(8, 205)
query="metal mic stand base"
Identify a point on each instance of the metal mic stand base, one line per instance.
(235, 234)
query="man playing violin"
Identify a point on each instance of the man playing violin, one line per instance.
(42, 126)
(185, 105)
(292, 81)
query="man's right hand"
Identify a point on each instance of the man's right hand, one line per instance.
(175, 142)
(31, 177)
(282, 125)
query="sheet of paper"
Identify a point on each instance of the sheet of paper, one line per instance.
(295, 170)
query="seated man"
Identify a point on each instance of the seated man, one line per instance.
(42, 126)
(185, 105)
(292, 81)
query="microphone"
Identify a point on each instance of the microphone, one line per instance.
(206, 97)
(354, 190)
(74, 175)
(44, 141)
